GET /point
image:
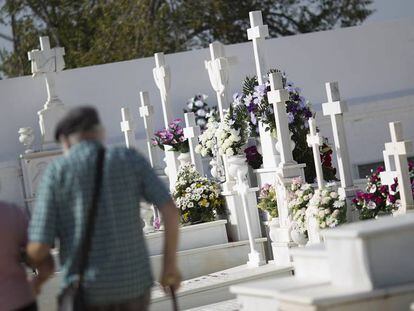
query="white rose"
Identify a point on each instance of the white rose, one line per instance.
(334, 195)
(229, 152)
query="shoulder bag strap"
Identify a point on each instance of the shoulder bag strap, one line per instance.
(90, 225)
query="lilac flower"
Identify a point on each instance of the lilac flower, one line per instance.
(157, 223)
(291, 117)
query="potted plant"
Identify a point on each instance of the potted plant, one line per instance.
(197, 197)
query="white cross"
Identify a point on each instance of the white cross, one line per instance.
(127, 126)
(258, 33)
(162, 78)
(218, 72)
(46, 60)
(400, 148)
(278, 97)
(191, 132)
(335, 109)
(314, 141)
(388, 176)
(146, 111)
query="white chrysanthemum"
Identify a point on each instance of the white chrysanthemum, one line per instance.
(339, 203)
(333, 195)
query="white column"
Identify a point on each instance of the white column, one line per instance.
(400, 148)
(335, 108)
(146, 112)
(191, 132)
(257, 34)
(286, 171)
(389, 174)
(48, 62)
(242, 187)
(128, 128)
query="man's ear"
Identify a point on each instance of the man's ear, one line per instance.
(64, 141)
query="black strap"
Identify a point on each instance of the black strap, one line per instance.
(90, 224)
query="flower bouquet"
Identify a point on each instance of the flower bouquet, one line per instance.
(207, 139)
(198, 198)
(253, 157)
(198, 105)
(328, 207)
(267, 200)
(232, 133)
(379, 199)
(299, 195)
(172, 136)
(255, 101)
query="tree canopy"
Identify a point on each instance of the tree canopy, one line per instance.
(102, 31)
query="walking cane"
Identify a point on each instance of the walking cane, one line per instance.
(174, 299)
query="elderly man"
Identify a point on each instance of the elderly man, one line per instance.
(118, 274)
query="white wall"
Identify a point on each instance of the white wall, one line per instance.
(374, 64)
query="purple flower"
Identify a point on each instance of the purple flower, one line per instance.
(157, 223)
(291, 117)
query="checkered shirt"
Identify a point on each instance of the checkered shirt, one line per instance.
(119, 267)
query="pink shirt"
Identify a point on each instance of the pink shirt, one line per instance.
(15, 291)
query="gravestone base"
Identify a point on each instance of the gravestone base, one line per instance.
(237, 227)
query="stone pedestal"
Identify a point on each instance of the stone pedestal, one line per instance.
(236, 226)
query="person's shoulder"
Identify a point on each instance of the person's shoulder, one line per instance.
(124, 153)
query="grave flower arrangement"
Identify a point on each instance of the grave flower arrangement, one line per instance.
(199, 106)
(232, 133)
(299, 195)
(253, 157)
(379, 199)
(254, 99)
(172, 136)
(207, 139)
(267, 200)
(328, 207)
(198, 198)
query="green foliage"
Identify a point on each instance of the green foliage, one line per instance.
(98, 31)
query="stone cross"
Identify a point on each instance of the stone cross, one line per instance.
(258, 33)
(48, 62)
(146, 111)
(335, 108)
(191, 132)
(162, 77)
(218, 72)
(400, 148)
(278, 97)
(314, 141)
(128, 127)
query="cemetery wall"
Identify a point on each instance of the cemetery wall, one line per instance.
(373, 64)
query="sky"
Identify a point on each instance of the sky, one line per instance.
(385, 10)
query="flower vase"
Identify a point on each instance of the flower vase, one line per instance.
(292, 144)
(237, 165)
(298, 237)
(213, 170)
(166, 166)
(184, 158)
(26, 137)
(273, 225)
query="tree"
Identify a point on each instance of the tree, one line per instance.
(101, 31)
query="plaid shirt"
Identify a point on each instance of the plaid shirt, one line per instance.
(119, 267)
